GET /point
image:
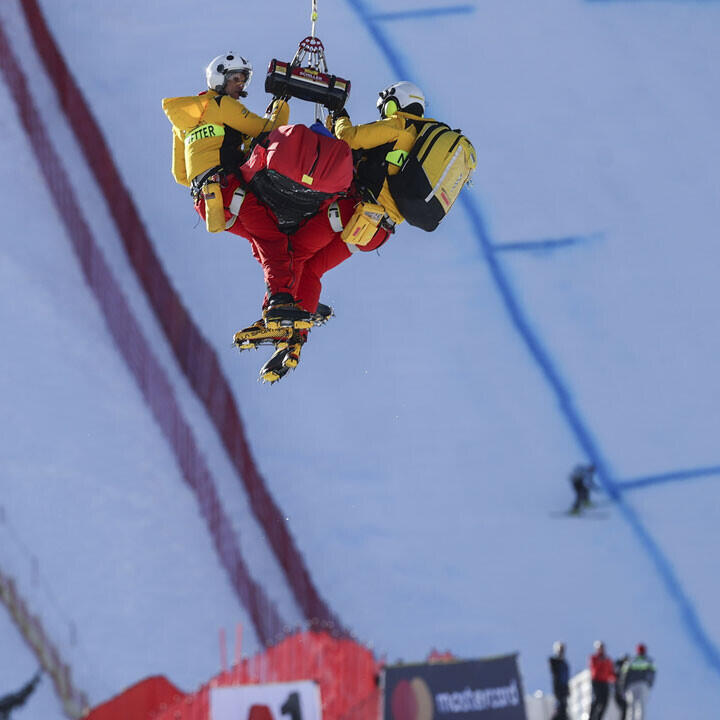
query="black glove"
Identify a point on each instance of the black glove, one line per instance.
(333, 118)
(269, 108)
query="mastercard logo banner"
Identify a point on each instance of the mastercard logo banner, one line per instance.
(412, 700)
(484, 689)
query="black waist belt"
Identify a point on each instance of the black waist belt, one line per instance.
(199, 180)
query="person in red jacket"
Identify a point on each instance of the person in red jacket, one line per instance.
(602, 673)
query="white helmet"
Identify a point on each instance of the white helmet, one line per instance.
(405, 96)
(223, 65)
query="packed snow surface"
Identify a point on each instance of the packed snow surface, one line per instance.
(565, 311)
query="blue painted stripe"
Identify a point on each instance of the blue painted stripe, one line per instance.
(368, 19)
(548, 244)
(423, 13)
(676, 476)
(559, 387)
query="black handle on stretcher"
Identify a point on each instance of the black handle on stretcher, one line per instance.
(287, 80)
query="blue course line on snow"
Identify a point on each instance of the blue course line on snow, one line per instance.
(548, 244)
(380, 37)
(676, 476)
(564, 398)
(582, 434)
(422, 13)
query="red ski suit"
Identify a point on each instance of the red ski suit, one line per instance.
(292, 263)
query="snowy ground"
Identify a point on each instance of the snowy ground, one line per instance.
(420, 450)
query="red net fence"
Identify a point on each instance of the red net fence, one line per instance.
(345, 671)
(193, 352)
(135, 350)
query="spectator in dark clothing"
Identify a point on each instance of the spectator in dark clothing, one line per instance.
(15, 700)
(560, 678)
(638, 676)
(582, 481)
(619, 685)
(602, 673)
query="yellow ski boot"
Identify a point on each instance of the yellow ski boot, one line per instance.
(258, 334)
(283, 312)
(285, 358)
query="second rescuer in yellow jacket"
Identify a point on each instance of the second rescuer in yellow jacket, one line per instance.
(385, 143)
(211, 131)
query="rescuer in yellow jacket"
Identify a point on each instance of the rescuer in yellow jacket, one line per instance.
(213, 130)
(384, 144)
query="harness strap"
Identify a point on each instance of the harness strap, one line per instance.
(334, 217)
(208, 176)
(235, 205)
(336, 224)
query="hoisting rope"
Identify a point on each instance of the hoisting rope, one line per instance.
(319, 109)
(306, 76)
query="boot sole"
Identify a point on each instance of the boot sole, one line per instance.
(289, 362)
(249, 339)
(271, 324)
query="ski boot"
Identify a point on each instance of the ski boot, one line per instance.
(283, 312)
(257, 334)
(285, 358)
(322, 314)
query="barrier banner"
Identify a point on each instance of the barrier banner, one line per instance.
(274, 701)
(489, 689)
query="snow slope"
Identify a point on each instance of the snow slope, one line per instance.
(421, 448)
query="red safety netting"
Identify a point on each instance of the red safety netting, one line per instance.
(144, 699)
(346, 671)
(196, 356)
(137, 352)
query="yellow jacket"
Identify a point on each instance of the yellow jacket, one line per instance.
(381, 132)
(199, 129)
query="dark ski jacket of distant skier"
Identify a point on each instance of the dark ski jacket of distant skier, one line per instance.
(15, 700)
